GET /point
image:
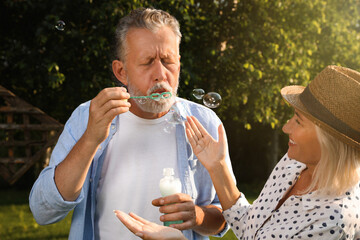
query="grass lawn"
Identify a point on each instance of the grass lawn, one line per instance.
(17, 222)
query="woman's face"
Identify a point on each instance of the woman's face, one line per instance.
(303, 144)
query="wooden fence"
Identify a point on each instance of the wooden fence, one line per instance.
(26, 135)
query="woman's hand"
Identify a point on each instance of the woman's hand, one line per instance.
(211, 153)
(148, 230)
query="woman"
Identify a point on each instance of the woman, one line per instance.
(313, 191)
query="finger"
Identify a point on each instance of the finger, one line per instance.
(221, 132)
(191, 135)
(200, 127)
(139, 219)
(112, 113)
(191, 139)
(189, 126)
(132, 224)
(183, 226)
(157, 202)
(176, 216)
(111, 104)
(194, 127)
(177, 208)
(187, 218)
(106, 94)
(104, 102)
(175, 198)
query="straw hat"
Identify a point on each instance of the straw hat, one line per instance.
(331, 101)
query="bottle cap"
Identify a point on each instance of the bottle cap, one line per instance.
(168, 171)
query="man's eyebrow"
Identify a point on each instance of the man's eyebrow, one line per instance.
(168, 55)
(297, 114)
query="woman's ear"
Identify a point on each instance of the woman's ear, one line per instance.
(119, 71)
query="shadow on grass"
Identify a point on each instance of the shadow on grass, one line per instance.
(14, 196)
(62, 236)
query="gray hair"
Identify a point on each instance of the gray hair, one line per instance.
(147, 18)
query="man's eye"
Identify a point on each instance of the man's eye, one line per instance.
(167, 61)
(148, 62)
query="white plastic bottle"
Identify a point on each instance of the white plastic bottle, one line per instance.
(169, 185)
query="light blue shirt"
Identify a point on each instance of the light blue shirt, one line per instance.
(48, 206)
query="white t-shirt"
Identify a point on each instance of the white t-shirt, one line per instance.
(132, 169)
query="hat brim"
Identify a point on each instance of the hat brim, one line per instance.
(291, 95)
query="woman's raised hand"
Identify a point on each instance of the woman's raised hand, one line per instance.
(211, 153)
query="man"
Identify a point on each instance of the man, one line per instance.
(113, 149)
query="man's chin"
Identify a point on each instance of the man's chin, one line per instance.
(156, 107)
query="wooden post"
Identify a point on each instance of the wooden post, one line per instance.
(10, 138)
(26, 122)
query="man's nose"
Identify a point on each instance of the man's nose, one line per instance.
(159, 71)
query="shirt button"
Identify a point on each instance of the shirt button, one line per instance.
(100, 147)
(91, 180)
(113, 127)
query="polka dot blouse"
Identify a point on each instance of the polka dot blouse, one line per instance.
(299, 217)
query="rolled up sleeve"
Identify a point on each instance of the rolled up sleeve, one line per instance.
(46, 203)
(45, 200)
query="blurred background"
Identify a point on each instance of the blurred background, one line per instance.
(55, 55)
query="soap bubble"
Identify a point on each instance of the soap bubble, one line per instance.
(169, 127)
(173, 118)
(174, 115)
(212, 99)
(60, 25)
(198, 93)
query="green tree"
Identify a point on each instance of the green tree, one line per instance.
(246, 50)
(251, 49)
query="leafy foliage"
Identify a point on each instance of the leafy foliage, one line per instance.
(246, 50)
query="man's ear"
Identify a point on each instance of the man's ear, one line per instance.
(119, 71)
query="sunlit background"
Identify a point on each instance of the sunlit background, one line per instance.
(57, 54)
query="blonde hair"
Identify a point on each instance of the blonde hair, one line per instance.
(147, 18)
(338, 168)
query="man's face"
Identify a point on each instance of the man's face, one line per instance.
(152, 65)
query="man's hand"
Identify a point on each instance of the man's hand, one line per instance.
(71, 173)
(178, 207)
(103, 109)
(148, 230)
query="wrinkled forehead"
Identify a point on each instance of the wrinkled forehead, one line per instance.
(147, 43)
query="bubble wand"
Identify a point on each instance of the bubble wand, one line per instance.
(156, 96)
